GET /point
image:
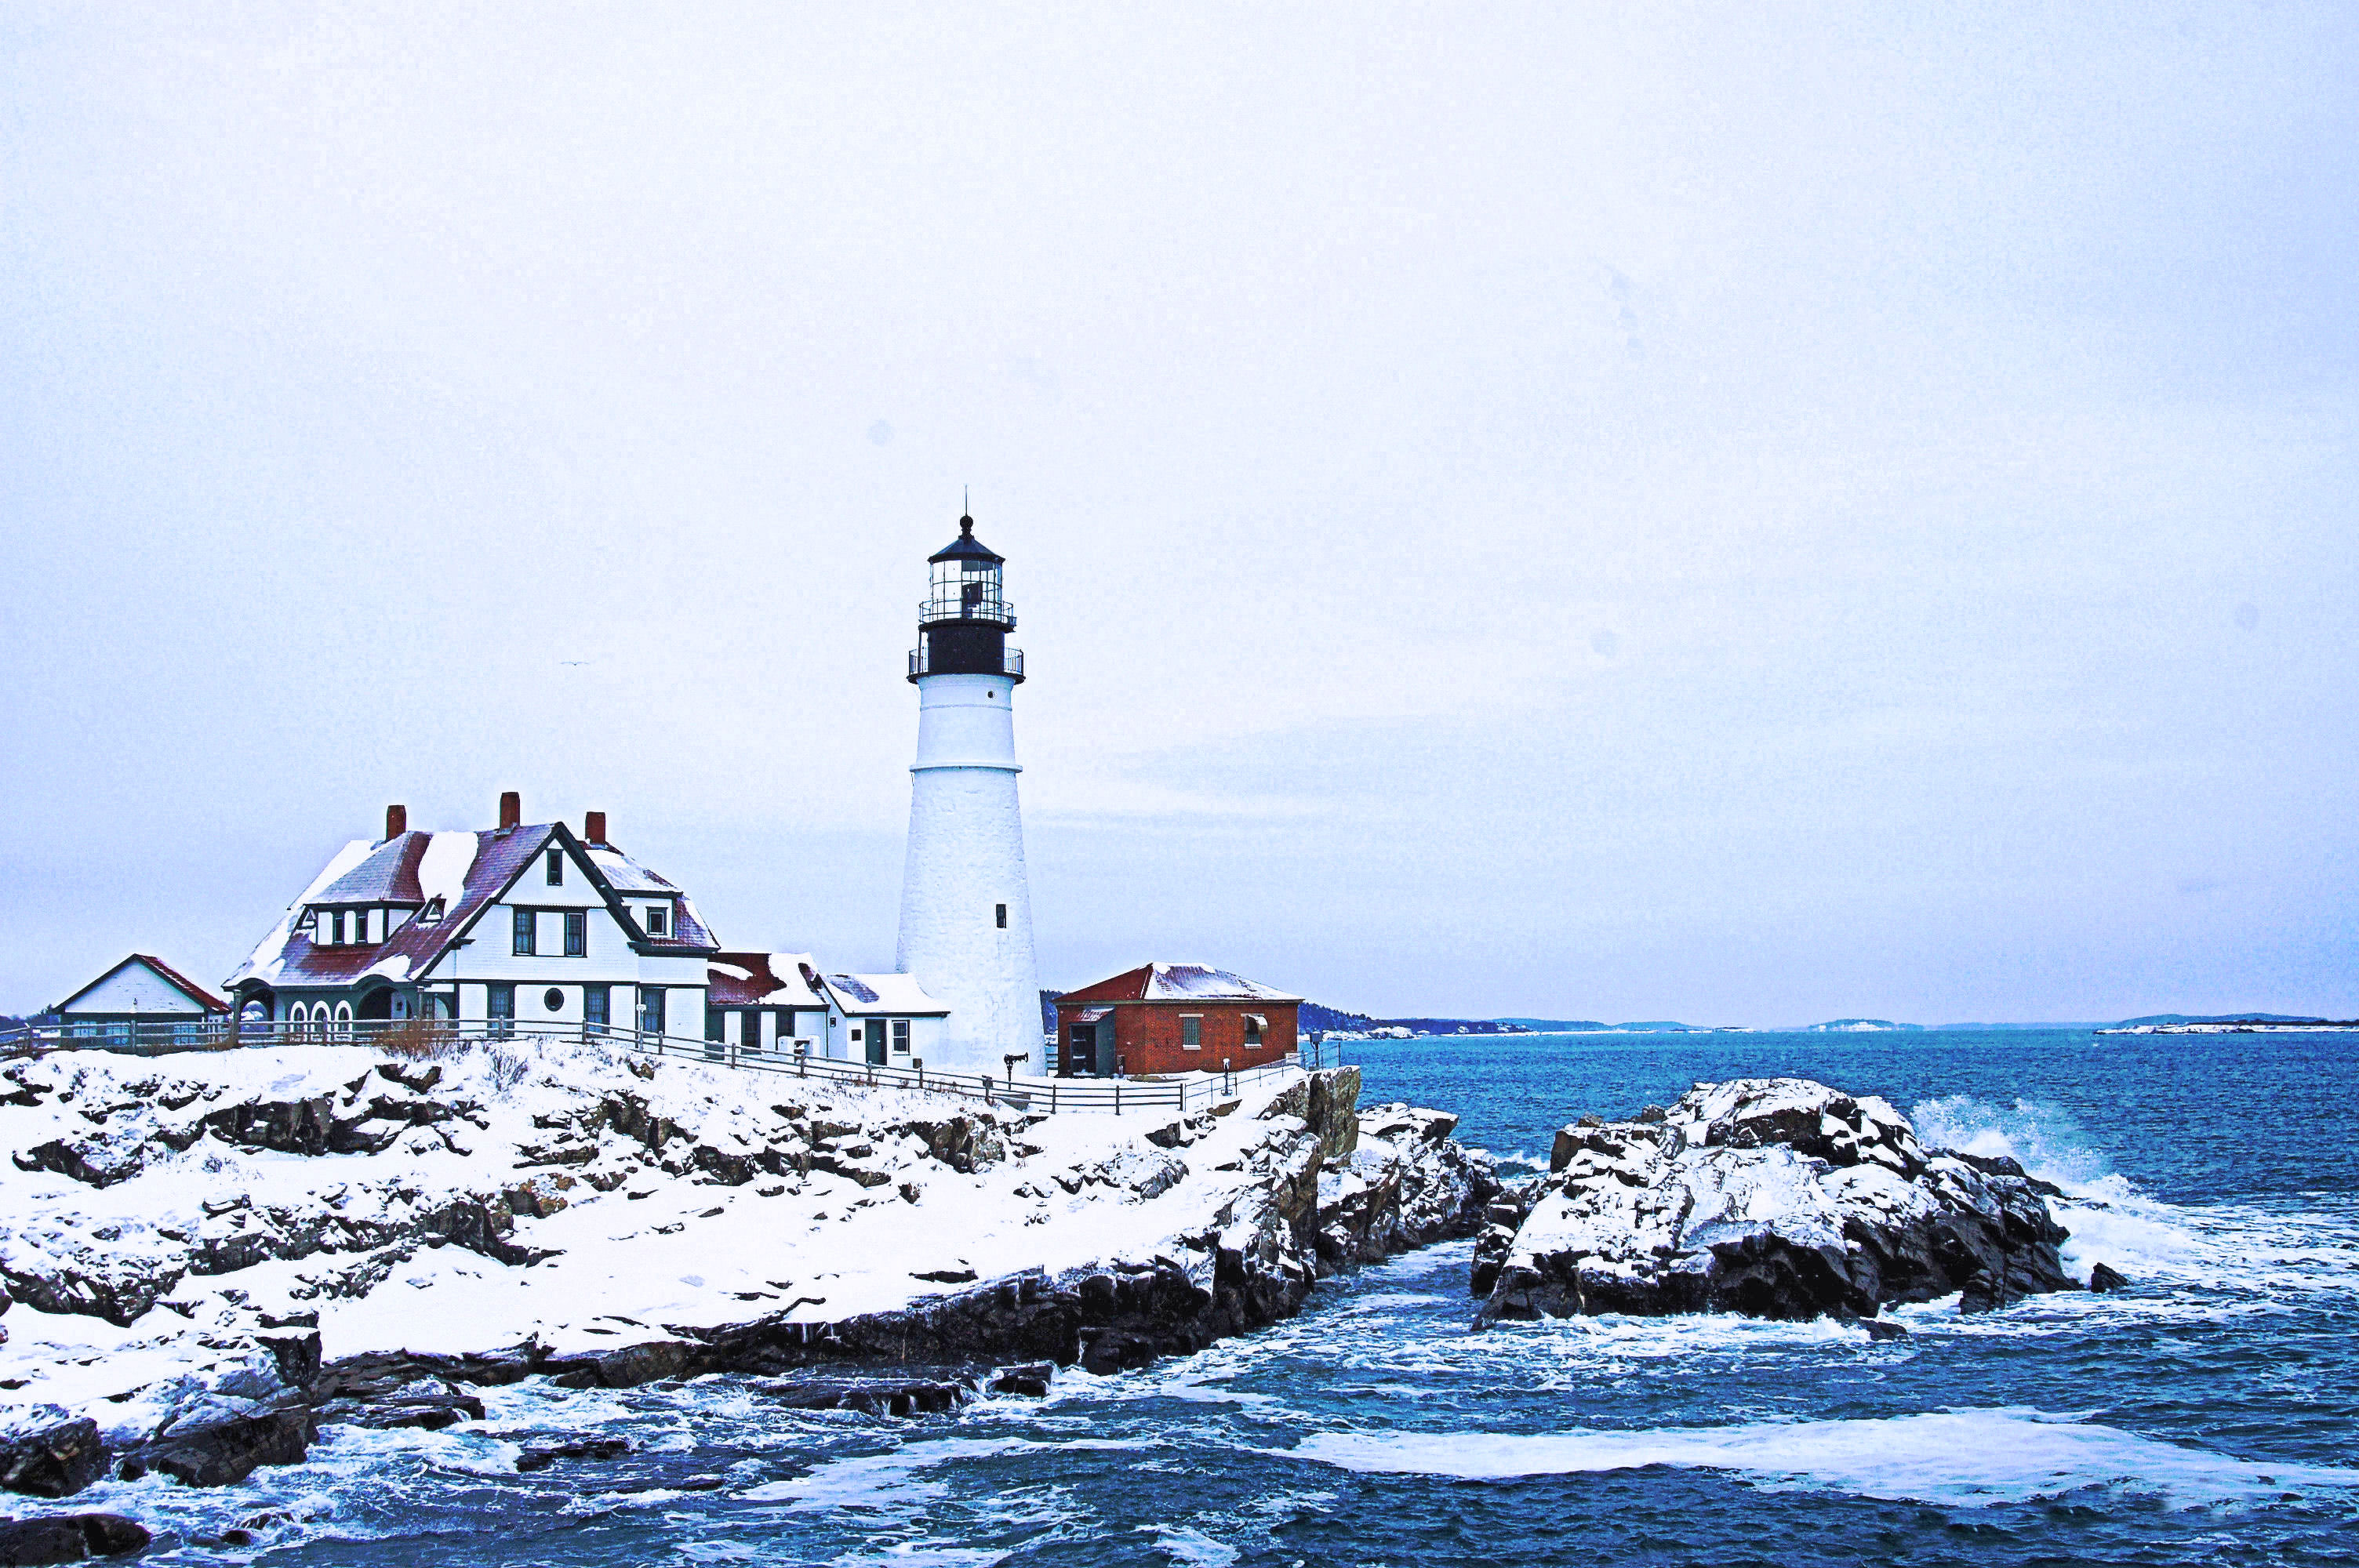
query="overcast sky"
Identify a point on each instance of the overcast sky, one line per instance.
(1746, 514)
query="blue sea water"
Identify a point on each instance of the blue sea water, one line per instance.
(2210, 1413)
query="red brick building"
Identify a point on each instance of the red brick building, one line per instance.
(1172, 1018)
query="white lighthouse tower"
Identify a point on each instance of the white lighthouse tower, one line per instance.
(966, 913)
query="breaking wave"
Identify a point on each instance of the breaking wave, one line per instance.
(2250, 1250)
(1957, 1457)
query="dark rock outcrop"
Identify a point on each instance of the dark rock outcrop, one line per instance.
(546, 1455)
(218, 1453)
(54, 1461)
(1774, 1198)
(1402, 1185)
(2104, 1277)
(875, 1396)
(68, 1538)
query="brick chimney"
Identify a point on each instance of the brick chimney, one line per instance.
(511, 809)
(396, 821)
(594, 827)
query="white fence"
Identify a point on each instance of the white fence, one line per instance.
(1177, 1093)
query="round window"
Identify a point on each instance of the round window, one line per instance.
(553, 999)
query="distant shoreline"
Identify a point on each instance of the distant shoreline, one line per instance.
(2324, 1026)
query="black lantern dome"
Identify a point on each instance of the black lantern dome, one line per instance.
(964, 619)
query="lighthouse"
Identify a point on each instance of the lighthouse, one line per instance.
(966, 913)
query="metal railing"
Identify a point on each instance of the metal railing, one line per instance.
(1011, 663)
(954, 600)
(1178, 1094)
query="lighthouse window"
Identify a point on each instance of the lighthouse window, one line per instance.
(1002, 916)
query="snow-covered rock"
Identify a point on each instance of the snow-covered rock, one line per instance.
(211, 1252)
(1776, 1197)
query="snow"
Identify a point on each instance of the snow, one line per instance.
(269, 958)
(626, 875)
(1174, 982)
(659, 1249)
(885, 993)
(443, 869)
(1632, 1198)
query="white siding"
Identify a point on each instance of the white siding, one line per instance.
(134, 989)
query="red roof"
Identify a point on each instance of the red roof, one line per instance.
(1176, 982)
(212, 1003)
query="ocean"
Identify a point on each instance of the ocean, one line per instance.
(2210, 1414)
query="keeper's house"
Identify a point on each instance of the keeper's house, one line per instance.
(524, 925)
(1172, 1018)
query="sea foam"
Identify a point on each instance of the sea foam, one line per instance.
(1960, 1457)
(2244, 1250)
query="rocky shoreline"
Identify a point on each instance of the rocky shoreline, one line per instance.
(1778, 1198)
(1306, 1184)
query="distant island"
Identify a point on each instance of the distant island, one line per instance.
(2226, 1023)
(1857, 1026)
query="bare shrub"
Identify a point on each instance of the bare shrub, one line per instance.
(425, 1039)
(507, 1068)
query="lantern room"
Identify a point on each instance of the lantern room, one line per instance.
(963, 622)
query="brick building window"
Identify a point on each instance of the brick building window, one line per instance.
(1192, 1031)
(1255, 1025)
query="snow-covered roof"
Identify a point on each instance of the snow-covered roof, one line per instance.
(388, 874)
(856, 995)
(464, 872)
(1176, 982)
(624, 875)
(762, 979)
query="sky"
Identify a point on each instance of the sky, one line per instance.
(1743, 514)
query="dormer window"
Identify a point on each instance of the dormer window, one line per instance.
(338, 927)
(557, 868)
(658, 920)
